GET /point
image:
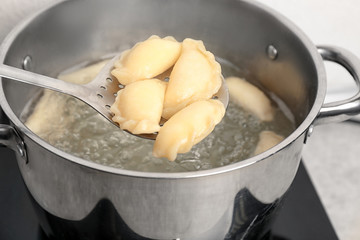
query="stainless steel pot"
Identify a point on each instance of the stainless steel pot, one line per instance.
(80, 199)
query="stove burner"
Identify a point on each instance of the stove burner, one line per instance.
(301, 216)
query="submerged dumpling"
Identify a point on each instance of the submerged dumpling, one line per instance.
(83, 75)
(195, 76)
(250, 98)
(139, 105)
(147, 59)
(268, 139)
(188, 127)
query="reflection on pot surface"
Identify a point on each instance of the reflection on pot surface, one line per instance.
(73, 127)
(245, 219)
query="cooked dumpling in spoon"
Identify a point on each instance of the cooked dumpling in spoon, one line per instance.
(139, 105)
(195, 76)
(188, 127)
(147, 59)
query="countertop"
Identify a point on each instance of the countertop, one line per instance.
(332, 152)
(332, 159)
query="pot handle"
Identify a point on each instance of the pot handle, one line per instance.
(340, 110)
(10, 138)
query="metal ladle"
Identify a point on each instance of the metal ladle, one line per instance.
(99, 94)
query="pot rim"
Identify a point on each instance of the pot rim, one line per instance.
(301, 129)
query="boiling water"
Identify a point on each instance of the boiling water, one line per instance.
(75, 128)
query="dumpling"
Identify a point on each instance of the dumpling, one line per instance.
(139, 105)
(83, 75)
(250, 98)
(188, 127)
(195, 76)
(268, 139)
(147, 59)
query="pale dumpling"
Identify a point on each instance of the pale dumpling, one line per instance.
(188, 127)
(250, 98)
(147, 59)
(139, 105)
(268, 139)
(195, 76)
(83, 75)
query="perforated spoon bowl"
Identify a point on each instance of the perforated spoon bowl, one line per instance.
(99, 94)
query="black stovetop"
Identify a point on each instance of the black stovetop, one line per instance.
(301, 217)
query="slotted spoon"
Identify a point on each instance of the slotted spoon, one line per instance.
(99, 94)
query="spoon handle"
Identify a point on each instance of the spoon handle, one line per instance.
(39, 80)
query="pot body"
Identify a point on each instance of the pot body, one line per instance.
(82, 200)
